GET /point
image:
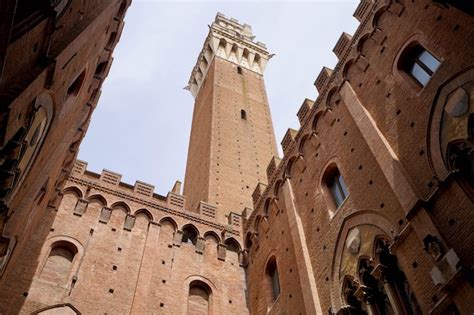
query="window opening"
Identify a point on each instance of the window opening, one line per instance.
(421, 65)
(338, 188)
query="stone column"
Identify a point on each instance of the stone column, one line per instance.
(303, 261)
(145, 273)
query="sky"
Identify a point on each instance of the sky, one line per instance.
(142, 123)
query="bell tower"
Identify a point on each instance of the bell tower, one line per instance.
(232, 137)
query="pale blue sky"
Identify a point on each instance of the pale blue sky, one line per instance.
(142, 123)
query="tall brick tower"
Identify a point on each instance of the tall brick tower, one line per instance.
(232, 137)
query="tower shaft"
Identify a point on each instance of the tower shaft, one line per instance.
(232, 137)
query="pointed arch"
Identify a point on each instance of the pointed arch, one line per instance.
(190, 234)
(361, 217)
(362, 40)
(266, 207)
(233, 245)
(302, 144)
(257, 223)
(345, 69)
(212, 234)
(169, 221)
(97, 198)
(143, 213)
(248, 241)
(121, 204)
(315, 124)
(289, 166)
(73, 190)
(276, 189)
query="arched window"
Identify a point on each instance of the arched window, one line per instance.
(59, 263)
(243, 114)
(419, 63)
(377, 298)
(190, 235)
(336, 186)
(199, 298)
(239, 70)
(273, 281)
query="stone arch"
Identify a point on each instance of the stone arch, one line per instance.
(289, 166)
(98, 199)
(436, 157)
(234, 250)
(361, 42)
(316, 121)
(271, 278)
(73, 190)
(266, 207)
(32, 138)
(302, 144)
(276, 188)
(190, 233)
(144, 213)
(141, 219)
(121, 204)
(333, 97)
(257, 222)
(212, 234)
(75, 247)
(248, 241)
(361, 217)
(345, 69)
(169, 221)
(63, 309)
(376, 19)
(214, 303)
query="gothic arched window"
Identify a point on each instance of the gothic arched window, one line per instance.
(190, 234)
(272, 281)
(336, 186)
(199, 298)
(58, 266)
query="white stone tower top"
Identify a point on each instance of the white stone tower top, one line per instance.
(232, 41)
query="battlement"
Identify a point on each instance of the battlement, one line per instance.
(232, 41)
(144, 191)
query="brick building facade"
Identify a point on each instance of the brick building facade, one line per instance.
(368, 211)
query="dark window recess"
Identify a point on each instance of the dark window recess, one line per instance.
(337, 187)
(419, 64)
(112, 38)
(243, 114)
(239, 70)
(99, 71)
(75, 87)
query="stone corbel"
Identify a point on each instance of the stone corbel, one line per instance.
(105, 215)
(315, 141)
(200, 245)
(129, 222)
(300, 163)
(178, 237)
(221, 251)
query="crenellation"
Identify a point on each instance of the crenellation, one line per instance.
(305, 108)
(110, 177)
(342, 45)
(288, 140)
